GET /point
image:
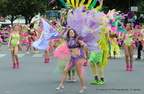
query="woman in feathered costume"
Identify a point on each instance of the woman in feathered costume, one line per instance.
(114, 45)
(63, 55)
(31, 38)
(82, 25)
(76, 59)
(115, 28)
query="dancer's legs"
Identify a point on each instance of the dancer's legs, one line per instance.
(16, 53)
(0, 45)
(101, 71)
(131, 52)
(13, 56)
(93, 68)
(33, 40)
(79, 71)
(46, 54)
(69, 75)
(64, 75)
(126, 54)
(29, 44)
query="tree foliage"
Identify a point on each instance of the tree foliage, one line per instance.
(140, 5)
(26, 8)
(29, 8)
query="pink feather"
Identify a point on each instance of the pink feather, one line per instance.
(113, 20)
(123, 26)
(140, 27)
(58, 40)
(39, 30)
(120, 40)
(137, 40)
(100, 1)
(5, 35)
(24, 41)
(51, 2)
(26, 34)
(41, 24)
(122, 17)
(136, 27)
(8, 29)
(140, 34)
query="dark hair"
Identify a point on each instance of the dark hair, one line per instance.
(74, 32)
(31, 25)
(54, 23)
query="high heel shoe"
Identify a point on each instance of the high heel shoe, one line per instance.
(131, 68)
(83, 89)
(73, 79)
(69, 79)
(14, 65)
(127, 67)
(48, 60)
(18, 64)
(60, 87)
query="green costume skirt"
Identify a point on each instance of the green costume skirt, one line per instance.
(96, 57)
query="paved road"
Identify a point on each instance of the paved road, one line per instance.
(36, 77)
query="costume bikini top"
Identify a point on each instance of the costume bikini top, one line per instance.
(128, 39)
(72, 43)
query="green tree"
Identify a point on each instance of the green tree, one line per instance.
(8, 9)
(27, 8)
(140, 7)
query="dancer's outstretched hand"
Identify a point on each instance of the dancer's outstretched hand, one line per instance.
(67, 27)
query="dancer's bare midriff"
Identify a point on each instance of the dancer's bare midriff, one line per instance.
(74, 52)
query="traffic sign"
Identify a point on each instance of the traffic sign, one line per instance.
(134, 8)
(130, 15)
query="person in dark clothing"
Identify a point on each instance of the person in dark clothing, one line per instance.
(141, 19)
(139, 51)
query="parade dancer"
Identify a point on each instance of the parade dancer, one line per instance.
(48, 51)
(129, 46)
(114, 45)
(84, 24)
(13, 46)
(96, 60)
(31, 38)
(100, 60)
(76, 57)
(63, 55)
(140, 44)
